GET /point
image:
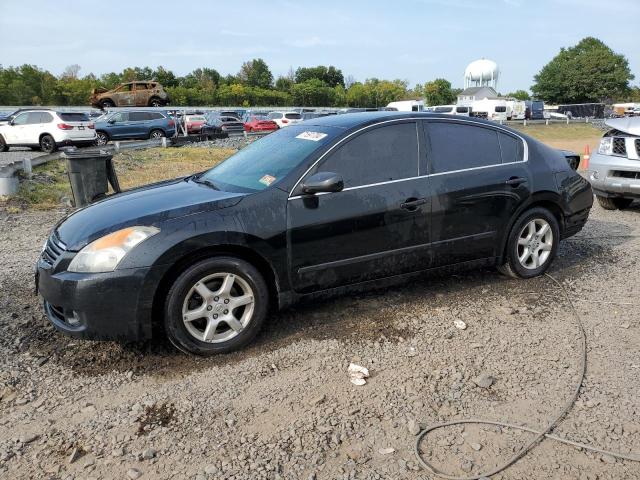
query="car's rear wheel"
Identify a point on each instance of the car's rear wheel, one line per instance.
(107, 104)
(101, 138)
(614, 203)
(532, 244)
(215, 306)
(47, 143)
(3, 145)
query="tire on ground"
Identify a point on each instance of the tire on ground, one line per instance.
(614, 203)
(173, 315)
(512, 266)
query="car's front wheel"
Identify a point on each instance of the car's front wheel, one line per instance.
(107, 104)
(3, 145)
(215, 306)
(614, 203)
(532, 244)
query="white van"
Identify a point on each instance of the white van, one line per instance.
(491, 109)
(516, 110)
(408, 105)
(452, 110)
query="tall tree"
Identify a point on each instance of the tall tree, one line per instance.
(330, 75)
(256, 73)
(439, 92)
(587, 72)
(520, 95)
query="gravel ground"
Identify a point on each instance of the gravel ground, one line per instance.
(284, 408)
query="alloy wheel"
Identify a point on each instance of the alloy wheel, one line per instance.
(218, 307)
(535, 243)
(47, 144)
(102, 139)
(157, 134)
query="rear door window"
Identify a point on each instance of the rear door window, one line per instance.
(138, 116)
(293, 116)
(46, 117)
(457, 146)
(511, 148)
(379, 154)
(33, 118)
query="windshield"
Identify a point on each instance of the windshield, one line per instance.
(270, 159)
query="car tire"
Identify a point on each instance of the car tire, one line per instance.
(107, 104)
(614, 203)
(157, 133)
(3, 144)
(532, 244)
(47, 143)
(102, 138)
(206, 335)
(155, 102)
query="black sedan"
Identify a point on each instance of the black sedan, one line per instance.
(326, 206)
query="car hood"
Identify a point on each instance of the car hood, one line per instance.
(149, 205)
(630, 125)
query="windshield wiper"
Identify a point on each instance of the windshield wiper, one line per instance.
(205, 181)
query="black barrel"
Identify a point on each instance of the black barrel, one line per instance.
(90, 174)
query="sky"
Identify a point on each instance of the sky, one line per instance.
(414, 40)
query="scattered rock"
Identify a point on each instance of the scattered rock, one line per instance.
(413, 427)
(134, 473)
(318, 400)
(28, 438)
(484, 380)
(148, 453)
(460, 325)
(475, 446)
(386, 451)
(76, 453)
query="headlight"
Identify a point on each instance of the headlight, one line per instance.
(606, 146)
(104, 254)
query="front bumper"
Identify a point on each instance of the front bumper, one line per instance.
(97, 306)
(605, 175)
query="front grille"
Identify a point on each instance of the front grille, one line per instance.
(53, 249)
(625, 174)
(619, 146)
(638, 146)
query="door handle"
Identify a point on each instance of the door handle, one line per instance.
(412, 204)
(516, 181)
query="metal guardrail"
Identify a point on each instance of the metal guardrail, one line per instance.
(9, 180)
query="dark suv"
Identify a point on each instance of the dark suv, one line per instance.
(326, 206)
(134, 124)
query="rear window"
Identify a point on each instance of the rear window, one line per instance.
(293, 116)
(462, 110)
(443, 109)
(457, 147)
(501, 109)
(73, 117)
(197, 118)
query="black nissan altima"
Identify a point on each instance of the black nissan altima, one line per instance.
(330, 205)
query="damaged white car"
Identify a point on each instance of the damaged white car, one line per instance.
(614, 171)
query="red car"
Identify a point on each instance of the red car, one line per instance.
(195, 123)
(259, 123)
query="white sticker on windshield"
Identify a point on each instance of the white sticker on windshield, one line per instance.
(314, 136)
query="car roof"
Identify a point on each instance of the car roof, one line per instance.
(351, 120)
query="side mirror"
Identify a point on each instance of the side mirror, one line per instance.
(111, 121)
(11, 123)
(323, 182)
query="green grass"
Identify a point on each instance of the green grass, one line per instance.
(574, 136)
(49, 186)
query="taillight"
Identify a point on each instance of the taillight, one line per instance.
(91, 126)
(172, 123)
(64, 126)
(284, 120)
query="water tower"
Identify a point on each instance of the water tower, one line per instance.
(482, 73)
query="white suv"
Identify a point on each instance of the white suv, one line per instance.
(47, 130)
(285, 119)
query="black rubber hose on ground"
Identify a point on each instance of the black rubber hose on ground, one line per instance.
(540, 434)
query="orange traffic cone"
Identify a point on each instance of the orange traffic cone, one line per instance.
(584, 165)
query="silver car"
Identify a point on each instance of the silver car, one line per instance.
(614, 171)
